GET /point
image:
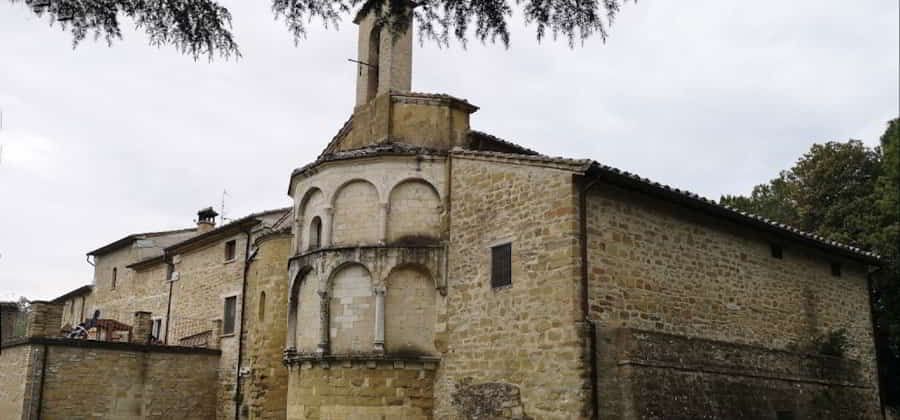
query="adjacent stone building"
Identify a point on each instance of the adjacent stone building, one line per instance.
(441, 272)
(426, 270)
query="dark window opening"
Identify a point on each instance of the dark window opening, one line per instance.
(262, 306)
(777, 251)
(230, 248)
(784, 415)
(115, 275)
(373, 58)
(501, 265)
(228, 319)
(836, 269)
(315, 233)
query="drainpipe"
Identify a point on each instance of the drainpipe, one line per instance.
(169, 299)
(585, 303)
(237, 374)
(870, 283)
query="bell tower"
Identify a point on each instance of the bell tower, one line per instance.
(385, 60)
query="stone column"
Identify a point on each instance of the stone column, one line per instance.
(327, 227)
(379, 319)
(324, 334)
(142, 328)
(384, 210)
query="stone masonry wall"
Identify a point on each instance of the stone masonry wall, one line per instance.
(15, 366)
(523, 341)
(352, 314)
(656, 267)
(97, 382)
(265, 386)
(198, 298)
(361, 390)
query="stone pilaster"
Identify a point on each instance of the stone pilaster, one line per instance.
(327, 227)
(379, 319)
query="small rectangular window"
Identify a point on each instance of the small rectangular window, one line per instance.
(501, 265)
(836, 269)
(777, 251)
(228, 318)
(157, 328)
(115, 275)
(230, 247)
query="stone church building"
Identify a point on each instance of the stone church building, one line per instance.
(430, 271)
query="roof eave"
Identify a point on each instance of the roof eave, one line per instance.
(707, 206)
(239, 225)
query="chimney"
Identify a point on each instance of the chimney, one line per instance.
(206, 220)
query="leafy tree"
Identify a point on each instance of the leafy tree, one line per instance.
(849, 193)
(203, 27)
(829, 191)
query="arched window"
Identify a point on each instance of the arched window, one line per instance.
(262, 306)
(373, 58)
(315, 233)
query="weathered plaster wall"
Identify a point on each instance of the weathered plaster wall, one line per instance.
(77, 309)
(522, 340)
(356, 214)
(352, 314)
(410, 312)
(659, 268)
(308, 328)
(415, 212)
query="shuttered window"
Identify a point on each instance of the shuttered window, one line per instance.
(228, 319)
(501, 265)
(230, 247)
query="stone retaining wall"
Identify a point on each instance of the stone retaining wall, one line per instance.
(90, 379)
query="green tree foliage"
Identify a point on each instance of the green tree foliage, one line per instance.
(203, 27)
(849, 193)
(829, 191)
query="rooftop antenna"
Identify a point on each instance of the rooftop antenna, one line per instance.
(222, 218)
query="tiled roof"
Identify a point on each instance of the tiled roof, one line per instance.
(683, 196)
(479, 140)
(133, 237)
(83, 290)
(731, 212)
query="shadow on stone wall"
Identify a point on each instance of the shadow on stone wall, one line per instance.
(488, 401)
(649, 375)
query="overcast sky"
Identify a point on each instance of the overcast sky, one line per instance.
(713, 96)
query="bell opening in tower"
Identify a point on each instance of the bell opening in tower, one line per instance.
(373, 56)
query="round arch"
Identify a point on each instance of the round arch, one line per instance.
(415, 212)
(410, 311)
